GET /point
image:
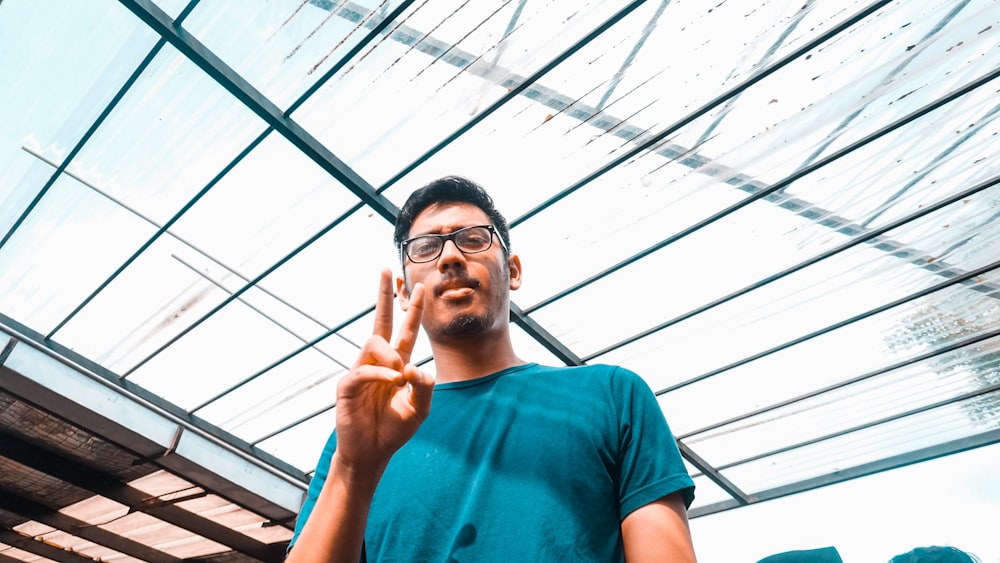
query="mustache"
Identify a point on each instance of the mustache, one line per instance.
(455, 282)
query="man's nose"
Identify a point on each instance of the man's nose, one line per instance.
(450, 254)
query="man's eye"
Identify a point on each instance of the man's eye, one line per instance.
(474, 238)
(423, 246)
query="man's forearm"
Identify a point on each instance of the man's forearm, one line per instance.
(335, 530)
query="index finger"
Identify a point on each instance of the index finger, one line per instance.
(411, 323)
(383, 306)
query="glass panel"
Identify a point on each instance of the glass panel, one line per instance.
(140, 527)
(274, 200)
(281, 48)
(281, 396)
(169, 137)
(715, 258)
(96, 510)
(155, 533)
(898, 437)
(621, 215)
(154, 300)
(100, 44)
(68, 542)
(940, 379)
(855, 83)
(876, 343)
(232, 344)
(919, 164)
(621, 90)
(302, 445)
(895, 518)
(173, 8)
(336, 277)
(190, 284)
(170, 489)
(943, 318)
(68, 245)
(708, 342)
(231, 516)
(305, 283)
(646, 209)
(441, 64)
(630, 210)
(849, 283)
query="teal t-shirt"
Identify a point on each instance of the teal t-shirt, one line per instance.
(532, 463)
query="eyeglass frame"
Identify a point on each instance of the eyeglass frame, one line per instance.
(444, 238)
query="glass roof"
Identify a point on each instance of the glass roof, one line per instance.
(783, 215)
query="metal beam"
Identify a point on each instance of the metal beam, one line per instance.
(544, 337)
(107, 485)
(256, 102)
(713, 474)
(31, 510)
(40, 547)
(107, 410)
(7, 558)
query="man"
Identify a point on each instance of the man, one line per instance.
(514, 462)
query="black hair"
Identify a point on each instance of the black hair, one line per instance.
(450, 189)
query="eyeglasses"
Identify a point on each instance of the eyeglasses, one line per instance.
(470, 240)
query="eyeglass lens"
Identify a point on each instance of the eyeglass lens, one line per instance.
(469, 240)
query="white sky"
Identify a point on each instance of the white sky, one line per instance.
(953, 500)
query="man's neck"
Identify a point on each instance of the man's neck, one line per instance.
(465, 359)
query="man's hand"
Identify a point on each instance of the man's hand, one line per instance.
(380, 404)
(384, 398)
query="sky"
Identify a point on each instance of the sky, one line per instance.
(953, 500)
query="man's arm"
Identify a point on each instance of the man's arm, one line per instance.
(658, 532)
(335, 529)
(381, 402)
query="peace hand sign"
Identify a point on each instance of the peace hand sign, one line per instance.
(384, 398)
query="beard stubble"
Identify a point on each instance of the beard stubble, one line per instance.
(467, 326)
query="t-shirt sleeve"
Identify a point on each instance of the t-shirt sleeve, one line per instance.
(650, 465)
(315, 486)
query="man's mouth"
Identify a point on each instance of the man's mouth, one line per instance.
(456, 288)
(456, 293)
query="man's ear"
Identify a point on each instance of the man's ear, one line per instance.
(403, 292)
(514, 266)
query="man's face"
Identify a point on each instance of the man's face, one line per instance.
(467, 295)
